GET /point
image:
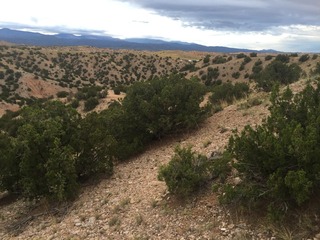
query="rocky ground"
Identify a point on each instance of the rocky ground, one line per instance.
(133, 204)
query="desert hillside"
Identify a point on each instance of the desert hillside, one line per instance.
(199, 100)
(133, 204)
(29, 73)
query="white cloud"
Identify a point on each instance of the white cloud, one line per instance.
(125, 19)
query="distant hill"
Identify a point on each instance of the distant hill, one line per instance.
(66, 39)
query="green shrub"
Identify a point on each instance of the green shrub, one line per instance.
(128, 133)
(185, 172)
(9, 165)
(246, 60)
(40, 160)
(219, 60)
(228, 92)
(191, 67)
(116, 91)
(283, 58)
(206, 59)
(88, 92)
(75, 103)
(256, 69)
(212, 74)
(278, 161)
(90, 104)
(268, 57)
(304, 58)
(165, 105)
(95, 147)
(220, 167)
(80, 95)
(277, 72)
(49, 149)
(241, 55)
(235, 75)
(62, 94)
(317, 69)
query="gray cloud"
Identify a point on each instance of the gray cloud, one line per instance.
(53, 29)
(301, 44)
(239, 15)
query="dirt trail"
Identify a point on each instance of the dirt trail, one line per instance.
(133, 204)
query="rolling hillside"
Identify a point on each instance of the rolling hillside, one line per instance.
(27, 73)
(133, 203)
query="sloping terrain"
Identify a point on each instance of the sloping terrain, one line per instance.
(133, 204)
(37, 72)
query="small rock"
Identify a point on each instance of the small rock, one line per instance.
(230, 226)
(317, 237)
(224, 234)
(91, 220)
(237, 181)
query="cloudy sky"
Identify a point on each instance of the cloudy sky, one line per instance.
(284, 25)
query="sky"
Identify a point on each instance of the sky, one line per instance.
(283, 25)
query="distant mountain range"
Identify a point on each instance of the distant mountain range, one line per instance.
(66, 39)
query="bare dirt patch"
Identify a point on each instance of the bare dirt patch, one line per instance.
(7, 106)
(31, 87)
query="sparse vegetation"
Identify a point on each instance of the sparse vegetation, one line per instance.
(48, 150)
